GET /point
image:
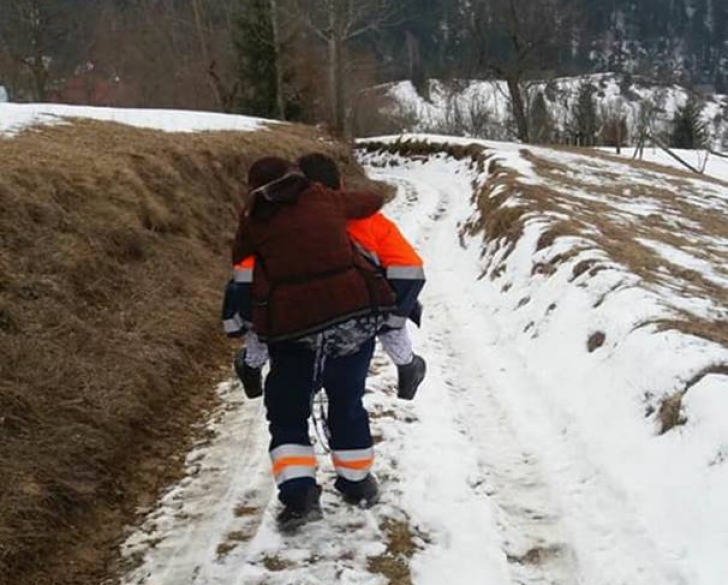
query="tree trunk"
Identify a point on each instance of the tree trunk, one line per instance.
(226, 96)
(519, 108)
(40, 79)
(280, 102)
(340, 122)
(205, 52)
(336, 69)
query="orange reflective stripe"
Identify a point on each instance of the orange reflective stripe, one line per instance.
(360, 464)
(245, 263)
(284, 462)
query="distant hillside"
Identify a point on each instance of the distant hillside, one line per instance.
(684, 41)
(481, 109)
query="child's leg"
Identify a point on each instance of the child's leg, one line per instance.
(398, 346)
(256, 352)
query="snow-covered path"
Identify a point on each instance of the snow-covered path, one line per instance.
(485, 480)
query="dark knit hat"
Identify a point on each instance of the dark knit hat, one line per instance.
(321, 168)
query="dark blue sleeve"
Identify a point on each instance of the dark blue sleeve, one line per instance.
(237, 308)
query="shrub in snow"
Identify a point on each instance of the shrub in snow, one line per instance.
(689, 131)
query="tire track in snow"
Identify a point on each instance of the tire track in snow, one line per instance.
(561, 519)
(222, 498)
(533, 541)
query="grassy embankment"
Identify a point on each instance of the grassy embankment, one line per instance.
(114, 247)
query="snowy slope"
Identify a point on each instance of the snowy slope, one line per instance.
(547, 297)
(451, 107)
(528, 457)
(16, 117)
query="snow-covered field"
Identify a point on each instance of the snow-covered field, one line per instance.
(482, 108)
(712, 165)
(16, 117)
(528, 456)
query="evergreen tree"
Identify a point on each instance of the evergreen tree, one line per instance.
(688, 129)
(256, 49)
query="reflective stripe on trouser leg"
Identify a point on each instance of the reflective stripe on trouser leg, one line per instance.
(293, 462)
(353, 464)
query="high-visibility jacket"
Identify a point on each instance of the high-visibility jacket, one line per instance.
(379, 240)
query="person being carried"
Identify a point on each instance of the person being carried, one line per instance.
(382, 243)
(318, 305)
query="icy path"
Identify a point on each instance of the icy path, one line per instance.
(483, 479)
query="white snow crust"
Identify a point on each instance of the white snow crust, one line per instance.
(16, 117)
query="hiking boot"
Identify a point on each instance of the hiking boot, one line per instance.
(252, 378)
(363, 493)
(300, 511)
(410, 377)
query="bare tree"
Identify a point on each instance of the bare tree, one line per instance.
(516, 40)
(214, 24)
(31, 32)
(278, 57)
(338, 23)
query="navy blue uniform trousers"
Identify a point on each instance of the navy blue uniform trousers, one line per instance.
(289, 388)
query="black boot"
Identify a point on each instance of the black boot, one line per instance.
(363, 493)
(299, 511)
(410, 377)
(252, 378)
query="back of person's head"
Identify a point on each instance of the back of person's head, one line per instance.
(272, 182)
(266, 170)
(321, 168)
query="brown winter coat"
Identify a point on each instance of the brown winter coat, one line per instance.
(308, 275)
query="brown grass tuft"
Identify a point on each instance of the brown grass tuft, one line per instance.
(401, 547)
(670, 413)
(276, 564)
(536, 556)
(596, 340)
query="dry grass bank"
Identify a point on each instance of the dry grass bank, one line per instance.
(114, 247)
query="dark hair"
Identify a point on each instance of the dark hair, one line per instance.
(266, 170)
(321, 168)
